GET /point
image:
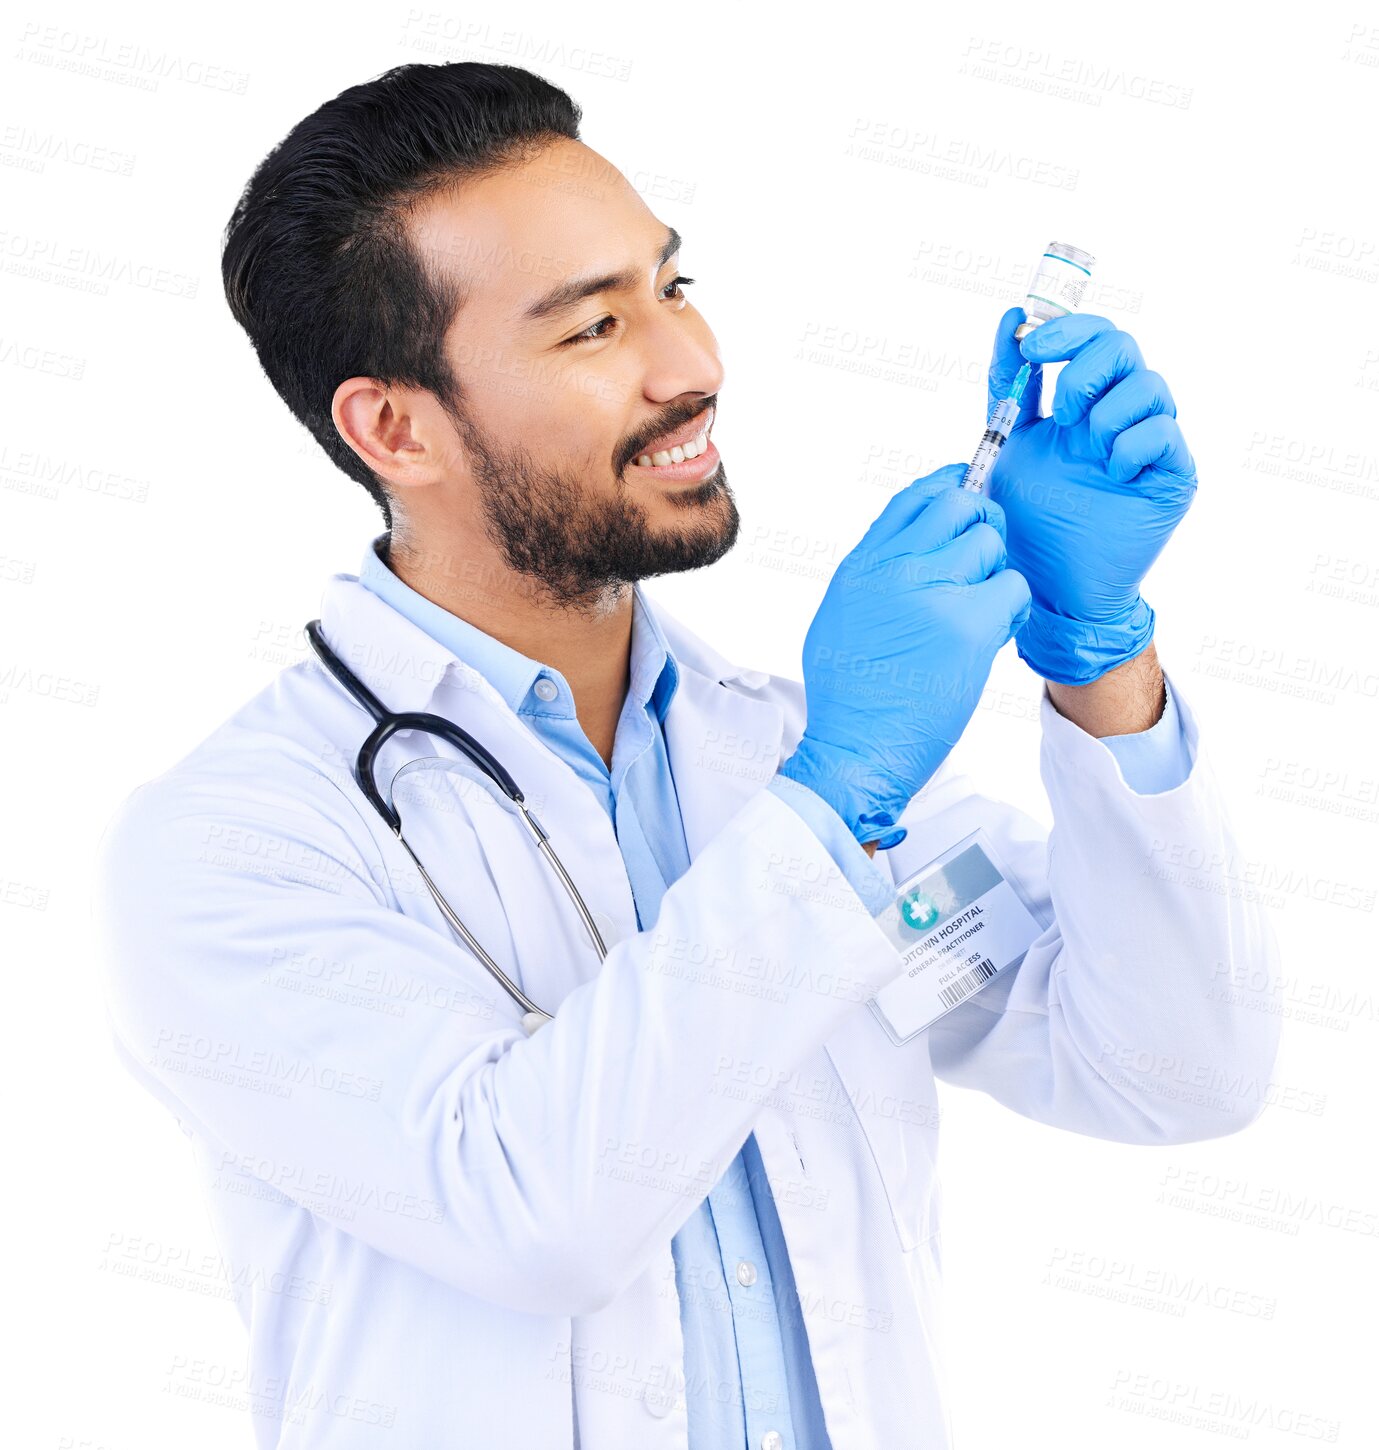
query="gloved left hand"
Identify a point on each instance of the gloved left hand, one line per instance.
(1090, 494)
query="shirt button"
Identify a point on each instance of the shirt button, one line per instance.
(747, 1276)
(546, 689)
(658, 1401)
(772, 1440)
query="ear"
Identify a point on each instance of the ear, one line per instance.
(398, 432)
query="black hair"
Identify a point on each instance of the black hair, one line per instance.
(317, 264)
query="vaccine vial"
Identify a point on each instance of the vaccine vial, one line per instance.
(1059, 282)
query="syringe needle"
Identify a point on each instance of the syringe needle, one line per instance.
(998, 427)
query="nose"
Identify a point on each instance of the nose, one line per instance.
(681, 357)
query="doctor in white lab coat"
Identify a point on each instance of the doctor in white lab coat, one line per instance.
(444, 1231)
(460, 1192)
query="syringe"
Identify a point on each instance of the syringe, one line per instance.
(998, 427)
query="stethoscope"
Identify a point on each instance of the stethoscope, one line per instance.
(386, 725)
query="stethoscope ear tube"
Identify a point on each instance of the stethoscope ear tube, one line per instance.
(350, 682)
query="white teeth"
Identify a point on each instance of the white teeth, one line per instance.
(678, 454)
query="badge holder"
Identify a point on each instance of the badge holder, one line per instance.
(958, 923)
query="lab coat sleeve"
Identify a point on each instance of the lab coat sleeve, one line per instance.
(1141, 1012)
(539, 1173)
(1151, 760)
(1155, 759)
(866, 878)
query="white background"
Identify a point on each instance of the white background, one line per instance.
(168, 527)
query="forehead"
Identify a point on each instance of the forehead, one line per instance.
(512, 236)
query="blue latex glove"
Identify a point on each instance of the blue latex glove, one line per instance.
(1090, 494)
(900, 650)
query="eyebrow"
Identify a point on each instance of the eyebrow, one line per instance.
(576, 289)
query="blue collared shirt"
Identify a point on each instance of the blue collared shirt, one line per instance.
(747, 1363)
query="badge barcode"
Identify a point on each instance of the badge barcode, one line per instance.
(968, 983)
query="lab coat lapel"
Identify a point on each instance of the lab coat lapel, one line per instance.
(723, 747)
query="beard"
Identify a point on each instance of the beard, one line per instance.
(575, 546)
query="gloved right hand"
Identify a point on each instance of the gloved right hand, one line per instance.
(900, 650)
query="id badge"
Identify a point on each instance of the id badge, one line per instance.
(958, 923)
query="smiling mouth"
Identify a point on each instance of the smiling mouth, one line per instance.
(681, 451)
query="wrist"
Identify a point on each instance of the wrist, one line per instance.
(861, 794)
(1125, 701)
(1067, 651)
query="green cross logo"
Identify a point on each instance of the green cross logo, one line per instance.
(918, 909)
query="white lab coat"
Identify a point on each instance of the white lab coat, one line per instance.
(444, 1228)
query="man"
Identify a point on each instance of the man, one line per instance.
(695, 1207)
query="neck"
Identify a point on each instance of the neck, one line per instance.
(589, 644)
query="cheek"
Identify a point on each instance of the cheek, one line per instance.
(584, 439)
(552, 413)
(581, 418)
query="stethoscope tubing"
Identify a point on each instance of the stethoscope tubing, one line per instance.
(387, 724)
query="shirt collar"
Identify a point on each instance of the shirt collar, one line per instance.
(527, 685)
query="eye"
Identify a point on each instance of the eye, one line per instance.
(596, 331)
